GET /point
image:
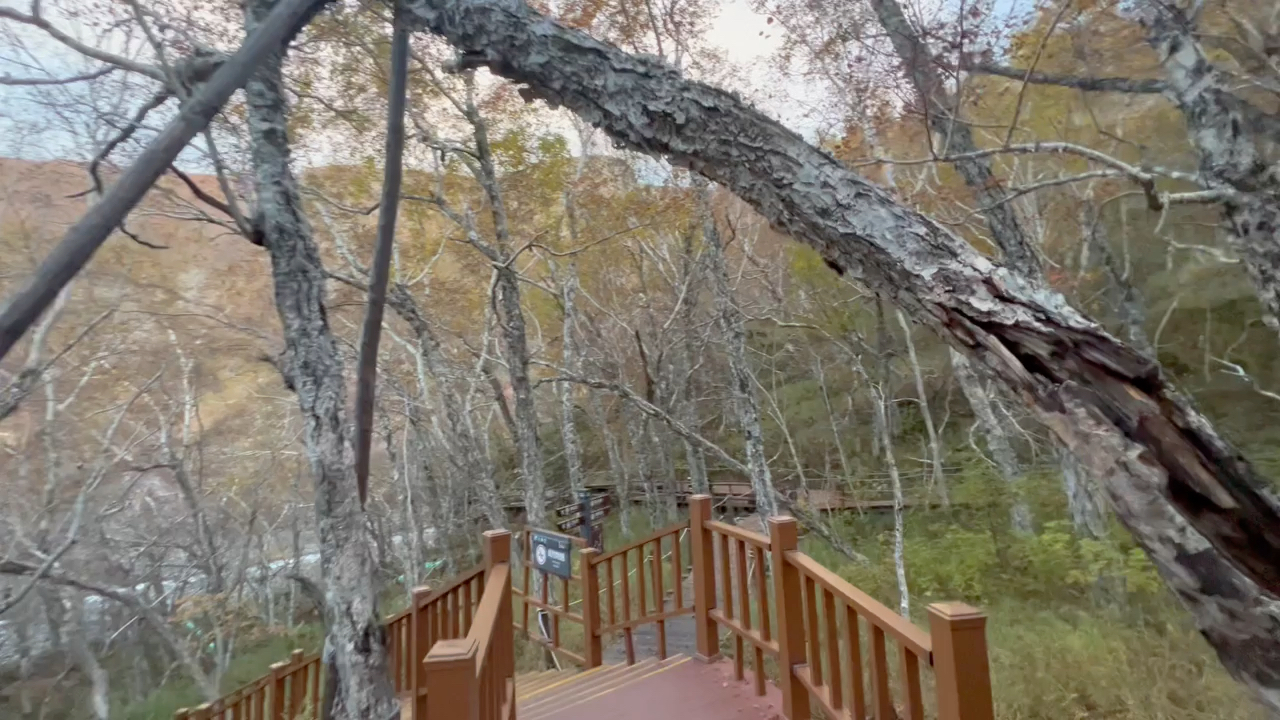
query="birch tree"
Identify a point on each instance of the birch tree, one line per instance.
(1191, 496)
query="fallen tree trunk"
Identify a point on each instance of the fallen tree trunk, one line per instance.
(1193, 503)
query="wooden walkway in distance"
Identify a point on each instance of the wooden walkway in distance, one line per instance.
(738, 497)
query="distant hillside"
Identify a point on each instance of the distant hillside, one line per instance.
(211, 288)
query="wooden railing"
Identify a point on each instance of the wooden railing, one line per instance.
(826, 643)
(730, 566)
(539, 590)
(290, 690)
(473, 677)
(475, 606)
(815, 633)
(629, 587)
(445, 614)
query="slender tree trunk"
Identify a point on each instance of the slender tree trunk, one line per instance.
(313, 367)
(735, 335)
(1001, 449)
(617, 468)
(935, 445)
(568, 428)
(880, 401)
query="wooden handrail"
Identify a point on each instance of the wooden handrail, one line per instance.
(903, 630)
(737, 533)
(835, 646)
(655, 535)
(485, 624)
(473, 677)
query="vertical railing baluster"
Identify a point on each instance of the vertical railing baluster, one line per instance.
(677, 564)
(835, 687)
(609, 591)
(659, 602)
(814, 650)
(856, 681)
(880, 675)
(911, 683)
(626, 609)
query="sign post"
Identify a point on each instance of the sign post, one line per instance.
(587, 516)
(590, 532)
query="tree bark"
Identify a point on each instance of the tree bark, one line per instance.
(935, 445)
(735, 336)
(380, 268)
(881, 422)
(568, 429)
(1190, 500)
(313, 367)
(1232, 160)
(1002, 453)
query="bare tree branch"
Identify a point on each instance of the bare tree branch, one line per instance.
(93, 228)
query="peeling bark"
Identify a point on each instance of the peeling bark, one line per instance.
(1190, 500)
(1231, 160)
(313, 367)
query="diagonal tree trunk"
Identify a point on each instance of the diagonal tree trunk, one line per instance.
(313, 368)
(1189, 499)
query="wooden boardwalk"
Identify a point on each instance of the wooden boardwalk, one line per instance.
(738, 497)
(678, 687)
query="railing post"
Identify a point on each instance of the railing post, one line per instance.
(960, 662)
(497, 548)
(704, 577)
(453, 692)
(497, 551)
(787, 603)
(419, 638)
(592, 652)
(276, 698)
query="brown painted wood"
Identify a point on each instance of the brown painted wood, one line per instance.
(452, 687)
(902, 630)
(831, 641)
(813, 648)
(880, 676)
(591, 622)
(704, 577)
(911, 684)
(961, 668)
(856, 679)
(783, 539)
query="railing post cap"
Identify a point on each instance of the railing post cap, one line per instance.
(278, 668)
(700, 497)
(588, 551)
(296, 655)
(496, 533)
(451, 651)
(958, 614)
(421, 592)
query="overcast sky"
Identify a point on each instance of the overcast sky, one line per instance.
(28, 131)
